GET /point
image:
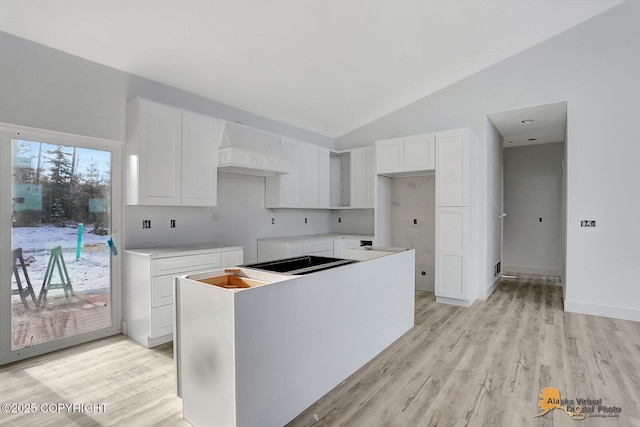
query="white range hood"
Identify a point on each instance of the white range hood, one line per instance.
(250, 151)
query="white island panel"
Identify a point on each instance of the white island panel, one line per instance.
(294, 340)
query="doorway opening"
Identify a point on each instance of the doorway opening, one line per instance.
(533, 191)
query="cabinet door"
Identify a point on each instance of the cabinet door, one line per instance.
(371, 177)
(159, 154)
(390, 156)
(359, 178)
(232, 258)
(452, 253)
(452, 168)
(282, 190)
(199, 160)
(324, 178)
(293, 249)
(308, 175)
(419, 152)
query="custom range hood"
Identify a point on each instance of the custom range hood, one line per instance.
(250, 151)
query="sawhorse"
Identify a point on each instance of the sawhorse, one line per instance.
(27, 290)
(56, 260)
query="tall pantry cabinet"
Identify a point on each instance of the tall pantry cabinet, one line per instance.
(454, 210)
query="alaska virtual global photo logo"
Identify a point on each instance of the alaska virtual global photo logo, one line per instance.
(578, 408)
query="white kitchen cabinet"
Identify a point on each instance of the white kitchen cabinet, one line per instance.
(171, 156)
(390, 156)
(199, 160)
(269, 249)
(455, 251)
(331, 245)
(452, 254)
(362, 177)
(309, 180)
(302, 187)
(323, 177)
(148, 285)
(452, 168)
(415, 153)
(352, 178)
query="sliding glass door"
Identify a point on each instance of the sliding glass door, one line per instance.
(59, 289)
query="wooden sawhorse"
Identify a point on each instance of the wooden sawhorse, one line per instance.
(55, 260)
(23, 291)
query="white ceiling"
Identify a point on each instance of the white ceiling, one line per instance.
(329, 66)
(533, 125)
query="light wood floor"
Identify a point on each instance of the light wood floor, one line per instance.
(478, 366)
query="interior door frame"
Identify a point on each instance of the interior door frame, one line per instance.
(7, 133)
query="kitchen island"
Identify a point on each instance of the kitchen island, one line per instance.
(259, 355)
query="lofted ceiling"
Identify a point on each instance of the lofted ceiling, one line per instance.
(328, 66)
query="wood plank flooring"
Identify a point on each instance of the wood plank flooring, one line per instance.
(479, 366)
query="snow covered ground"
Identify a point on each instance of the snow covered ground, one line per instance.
(90, 273)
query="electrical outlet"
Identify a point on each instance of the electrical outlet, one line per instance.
(339, 219)
(587, 223)
(305, 220)
(273, 221)
(499, 266)
(146, 223)
(172, 223)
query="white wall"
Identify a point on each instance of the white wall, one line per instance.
(595, 68)
(415, 198)
(44, 88)
(533, 190)
(494, 208)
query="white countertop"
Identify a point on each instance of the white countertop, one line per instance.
(316, 236)
(179, 250)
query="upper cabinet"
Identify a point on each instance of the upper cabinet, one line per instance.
(405, 155)
(303, 186)
(171, 156)
(352, 178)
(452, 168)
(363, 172)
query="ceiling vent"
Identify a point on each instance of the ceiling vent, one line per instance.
(249, 151)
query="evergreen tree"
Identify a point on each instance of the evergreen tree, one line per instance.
(58, 183)
(57, 213)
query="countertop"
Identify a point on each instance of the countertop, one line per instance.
(316, 236)
(180, 250)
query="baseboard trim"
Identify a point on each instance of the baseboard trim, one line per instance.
(454, 301)
(487, 292)
(610, 311)
(531, 270)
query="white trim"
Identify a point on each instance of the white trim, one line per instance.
(7, 133)
(532, 270)
(454, 301)
(602, 310)
(483, 295)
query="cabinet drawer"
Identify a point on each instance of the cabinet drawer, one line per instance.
(161, 321)
(162, 290)
(184, 264)
(317, 246)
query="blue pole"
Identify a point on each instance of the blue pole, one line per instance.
(79, 245)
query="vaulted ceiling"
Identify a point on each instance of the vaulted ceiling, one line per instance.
(328, 66)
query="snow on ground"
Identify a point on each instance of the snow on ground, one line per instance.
(90, 273)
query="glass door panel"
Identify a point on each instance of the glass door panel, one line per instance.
(61, 273)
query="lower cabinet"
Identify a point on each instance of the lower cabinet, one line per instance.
(452, 256)
(149, 274)
(270, 250)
